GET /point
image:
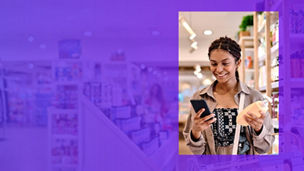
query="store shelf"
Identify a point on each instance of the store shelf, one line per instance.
(262, 28)
(249, 70)
(248, 42)
(273, 51)
(65, 136)
(122, 141)
(274, 85)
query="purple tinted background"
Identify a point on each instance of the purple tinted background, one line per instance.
(81, 84)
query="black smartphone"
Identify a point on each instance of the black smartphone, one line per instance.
(198, 105)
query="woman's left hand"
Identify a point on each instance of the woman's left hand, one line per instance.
(255, 122)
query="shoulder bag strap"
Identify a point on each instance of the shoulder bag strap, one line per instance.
(238, 127)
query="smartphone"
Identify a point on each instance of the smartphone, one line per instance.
(198, 105)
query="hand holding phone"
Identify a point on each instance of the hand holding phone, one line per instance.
(198, 105)
(202, 119)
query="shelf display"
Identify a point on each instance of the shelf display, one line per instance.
(69, 71)
(66, 96)
(65, 123)
(120, 97)
(64, 117)
(26, 92)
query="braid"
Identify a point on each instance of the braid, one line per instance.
(229, 45)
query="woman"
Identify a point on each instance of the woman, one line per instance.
(156, 104)
(215, 136)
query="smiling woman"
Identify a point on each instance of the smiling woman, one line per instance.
(226, 97)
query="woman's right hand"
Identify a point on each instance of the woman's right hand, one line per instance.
(200, 124)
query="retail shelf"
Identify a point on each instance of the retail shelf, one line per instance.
(65, 136)
(246, 38)
(273, 50)
(274, 85)
(262, 28)
(249, 49)
(151, 162)
(249, 70)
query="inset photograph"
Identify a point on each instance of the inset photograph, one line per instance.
(228, 83)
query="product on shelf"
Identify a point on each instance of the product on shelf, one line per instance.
(274, 28)
(275, 61)
(42, 102)
(64, 151)
(66, 96)
(128, 125)
(249, 62)
(120, 112)
(65, 123)
(261, 21)
(140, 136)
(262, 76)
(96, 97)
(100, 93)
(275, 104)
(275, 73)
(68, 71)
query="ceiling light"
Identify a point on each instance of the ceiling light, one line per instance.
(207, 32)
(30, 39)
(194, 45)
(192, 36)
(186, 26)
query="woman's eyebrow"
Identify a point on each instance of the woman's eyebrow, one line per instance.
(220, 61)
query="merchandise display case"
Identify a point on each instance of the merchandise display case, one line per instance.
(127, 106)
(64, 117)
(267, 63)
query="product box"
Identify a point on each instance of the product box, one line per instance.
(128, 125)
(64, 151)
(120, 112)
(140, 136)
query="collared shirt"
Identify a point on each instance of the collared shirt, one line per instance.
(205, 144)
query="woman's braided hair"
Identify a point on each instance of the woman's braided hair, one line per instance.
(229, 45)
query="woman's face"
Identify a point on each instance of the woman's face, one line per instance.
(223, 65)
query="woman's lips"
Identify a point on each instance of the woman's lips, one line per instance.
(221, 75)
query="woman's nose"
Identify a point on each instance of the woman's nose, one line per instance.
(219, 68)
